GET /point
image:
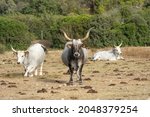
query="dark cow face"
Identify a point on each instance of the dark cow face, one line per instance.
(76, 47)
(77, 44)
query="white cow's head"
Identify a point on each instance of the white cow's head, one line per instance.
(117, 49)
(21, 55)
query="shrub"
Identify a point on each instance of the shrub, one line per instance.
(13, 32)
(129, 30)
(126, 24)
(99, 36)
(74, 26)
(2, 48)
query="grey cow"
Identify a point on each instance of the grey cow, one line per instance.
(74, 56)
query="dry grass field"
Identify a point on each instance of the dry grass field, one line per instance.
(119, 80)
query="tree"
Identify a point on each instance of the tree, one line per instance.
(3, 7)
(7, 6)
(11, 6)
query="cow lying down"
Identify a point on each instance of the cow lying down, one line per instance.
(111, 55)
(31, 59)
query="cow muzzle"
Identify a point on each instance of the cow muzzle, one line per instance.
(18, 62)
(76, 54)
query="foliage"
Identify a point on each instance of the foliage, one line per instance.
(14, 33)
(7, 6)
(114, 21)
(74, 26)
(2, 48)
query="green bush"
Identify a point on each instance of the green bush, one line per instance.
(99, 36)
(2, 48)
(33, 23)
(46, 24)
(108, 31)
(13, 32)
(74, 26)
(127, 25)
(129, 30)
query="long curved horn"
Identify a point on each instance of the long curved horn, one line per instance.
(13, 49)
(68, 43)
(87, 34)
(68, 38)
(120, 44)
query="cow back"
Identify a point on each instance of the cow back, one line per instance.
(36, 54)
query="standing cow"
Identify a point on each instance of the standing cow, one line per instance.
(74, 56)
(31, 59)
(110, 55)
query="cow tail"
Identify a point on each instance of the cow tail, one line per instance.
(44, 48)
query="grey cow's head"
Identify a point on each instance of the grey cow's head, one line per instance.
(117, 49)
(76, 44)
(20, 55)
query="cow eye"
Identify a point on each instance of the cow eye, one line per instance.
(81, 45)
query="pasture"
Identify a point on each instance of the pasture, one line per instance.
(119, 80)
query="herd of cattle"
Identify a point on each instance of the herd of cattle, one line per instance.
(74, 56)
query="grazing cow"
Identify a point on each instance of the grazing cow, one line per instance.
(32, 58)
(113, 54)
(74, 56)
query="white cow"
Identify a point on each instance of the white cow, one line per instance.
(110, 55)
(32, 58)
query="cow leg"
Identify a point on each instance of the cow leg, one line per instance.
(71, 74)
(68, 71)
(36, 72)
(25, 68)
(41, 68)
(31, 75)
(29, 71)
(26, 72)
(121, 58)
(79, 73)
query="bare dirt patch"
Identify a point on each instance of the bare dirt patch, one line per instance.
(124, 79)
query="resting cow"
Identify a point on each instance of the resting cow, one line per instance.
(110, 55)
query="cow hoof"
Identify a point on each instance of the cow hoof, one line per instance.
(41, 74)
(31, 75)
(70, 83)
(25, 75)
(35, 74)
(80, 83)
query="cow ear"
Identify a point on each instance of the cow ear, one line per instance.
(82, 45)
(26, 53)
(15, 53)
(69, 45)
